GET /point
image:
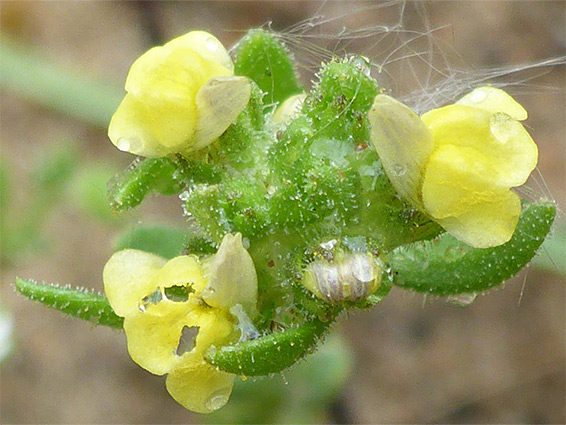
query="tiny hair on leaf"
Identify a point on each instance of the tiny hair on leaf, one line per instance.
(449, 267)
(270, 353)
(79, 302)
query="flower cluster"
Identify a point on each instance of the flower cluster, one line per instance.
(459, 162)
(174, 311)
(180, 98)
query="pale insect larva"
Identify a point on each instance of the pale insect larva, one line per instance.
(350, 277)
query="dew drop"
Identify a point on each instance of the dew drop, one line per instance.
(329, 245)
(363, 64)
(211, 44)
(130, 144)
(217, 399)
(399, 170)
(478, 96)
(503, 127)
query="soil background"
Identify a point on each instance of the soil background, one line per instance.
(418, 360)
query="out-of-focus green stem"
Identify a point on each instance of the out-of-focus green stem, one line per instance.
(27, 73)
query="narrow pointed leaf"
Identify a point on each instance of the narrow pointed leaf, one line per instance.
(449, 267)
(268, 354)
(79, 303)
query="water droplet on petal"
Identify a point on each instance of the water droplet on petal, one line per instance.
(399, 170)
(218, 399)
(212, 44)
(123, 144)
(503, 127)
(477, 96)
(131, 144)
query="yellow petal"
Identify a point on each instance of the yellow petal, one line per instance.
(456, 178)
(487, 224)
(494, 100)
(503, 141)
(170, 75)
(182, 271)
(232, 277)
(128, 277)
(152, 130)
(200, 387)
(194, 383)
(206, 45)
(403, 144)
(219, 102)
(154, 334)
(459, 125)
(215, 328)
(516, 153)
(157, 335)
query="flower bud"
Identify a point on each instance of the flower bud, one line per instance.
(350, 277)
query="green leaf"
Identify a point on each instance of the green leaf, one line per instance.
(128, 188)
(261, 57)
(270, 353)
(448, 267)
(80, 302)
(165, 241)
(27, 73)
(304, 395)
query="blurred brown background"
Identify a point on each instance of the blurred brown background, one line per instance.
(500, 360)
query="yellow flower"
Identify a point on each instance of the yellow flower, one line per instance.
(175, 310)
(459, 162)
(180, 98)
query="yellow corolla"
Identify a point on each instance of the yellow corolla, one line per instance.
(175, 310)
(180, 98)
(458, 163)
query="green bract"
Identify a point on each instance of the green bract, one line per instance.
(313, 207)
